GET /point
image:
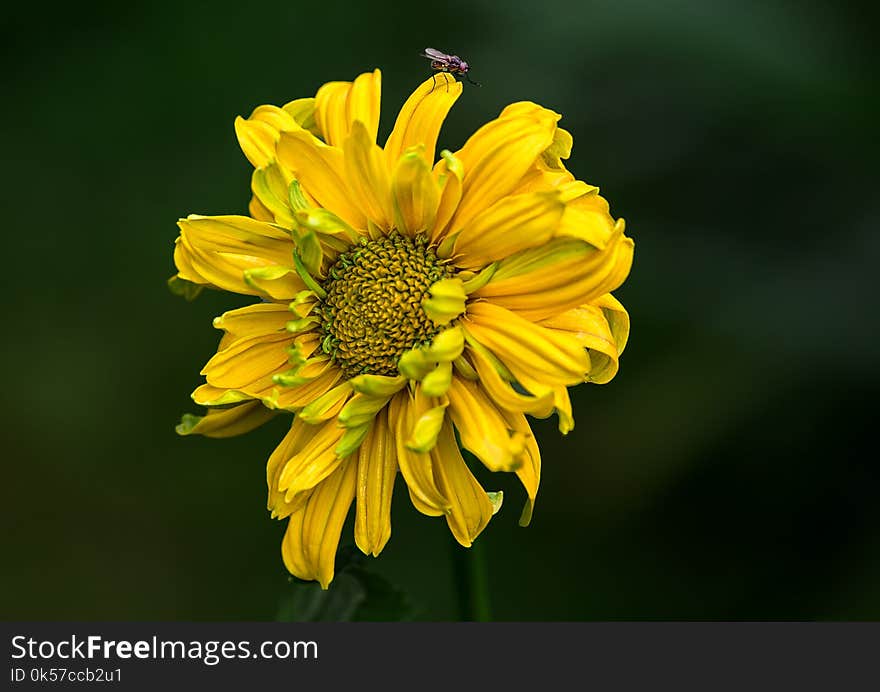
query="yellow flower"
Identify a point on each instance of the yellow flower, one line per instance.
(407, 305)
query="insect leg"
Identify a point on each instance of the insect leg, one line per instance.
(471, 80)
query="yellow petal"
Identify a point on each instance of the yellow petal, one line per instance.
(364, 101)
(420, 118)
(482, 428)
(297, 438)
(529, 473)
(258, 134)
(415, 467)
(497, 156)
(339, 104)
(508, 226)
(416, 194)
(502, 393)
(552, 356)
(292, 552)
(320, 169)
(258, 210)
(313, 463)
(292, 398)
(259, 318)
(270, 187)
(302, 373)
(470, 508)
(587, 217)
(618, 319)
(331, 230)
(303, 112)
(326, 512)
(377, 469)
(327, 406)
(309, 546)
(565, 273)
(369, 186)
(247, 360)
(540, 388)
(207, 395)
(548, 172)
(330, 115)
(226, 422)
(449, 173)
(591, 324)
(217, 250)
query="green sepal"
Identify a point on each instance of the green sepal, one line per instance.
(437, 382)
(377, 385)
(292, 378)
(303, 113)
(464, 369)
(427, 428)
(447, 345)
(351, 440)
(230, 396)
(559, 149)
(360, 410)
(262, 185)
(183, 288)
(270, 273)
(415, 364)
(447, 246)
(297, 199)
(453, 164)
(526, 517)
(301, 325)
(325, 222)
(497, 499)
(307, 278)
(488, 355)
(481, 279)
(309, 249)
(303, 302)
(316, 411)
(556, 250)
(188, 422)
(446, 302)
(295, 355)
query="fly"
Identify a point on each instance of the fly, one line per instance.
(452, 64)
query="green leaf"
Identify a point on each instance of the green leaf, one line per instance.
(355, 595)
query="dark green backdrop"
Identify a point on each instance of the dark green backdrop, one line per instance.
(727, 472)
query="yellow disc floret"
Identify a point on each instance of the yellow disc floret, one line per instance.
(373, 310)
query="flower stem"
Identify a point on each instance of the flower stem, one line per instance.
(470, 573)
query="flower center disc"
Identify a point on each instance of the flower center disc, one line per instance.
(373, 311)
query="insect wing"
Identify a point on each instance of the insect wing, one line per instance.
(434, 54)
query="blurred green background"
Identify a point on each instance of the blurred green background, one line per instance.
(727, 472)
